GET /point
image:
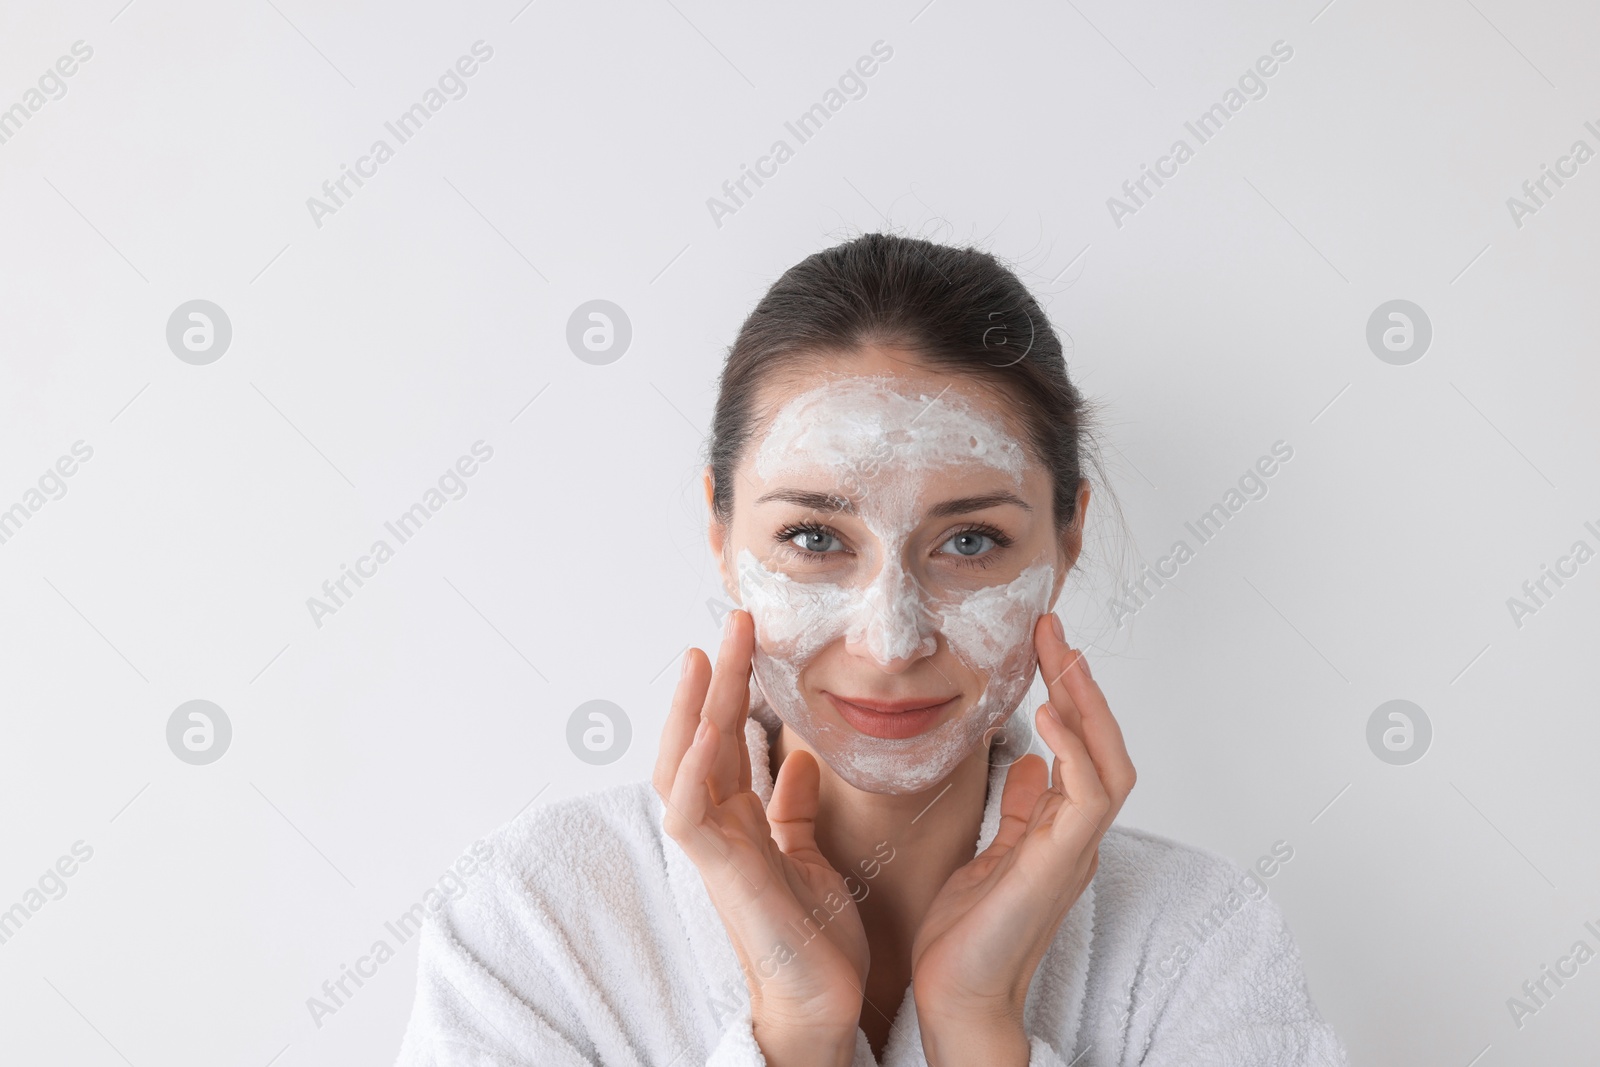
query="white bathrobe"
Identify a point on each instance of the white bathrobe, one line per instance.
(589, 938)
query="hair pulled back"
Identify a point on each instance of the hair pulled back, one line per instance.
(956, 309)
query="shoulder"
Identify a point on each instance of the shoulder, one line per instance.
(591, 849)
(563, 837)
(580, 872)
(568, 925)
(1142, 862)
(1193, 961)
(1150, 885)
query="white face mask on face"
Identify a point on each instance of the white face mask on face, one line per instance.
(876, 442)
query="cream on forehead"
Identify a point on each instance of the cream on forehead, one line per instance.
(875, 419)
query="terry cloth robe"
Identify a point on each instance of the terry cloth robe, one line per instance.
(589, 938)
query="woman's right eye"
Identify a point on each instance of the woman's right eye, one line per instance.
(815, 540)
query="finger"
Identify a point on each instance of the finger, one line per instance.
(1076, 779)
(683, 718)
(728, 700)
(1056, 659)
(689, 818)
(792, 812)
(744, 749)
(688, 801)
(1070, 683)
(1025, 782)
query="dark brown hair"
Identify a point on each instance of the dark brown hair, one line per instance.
(956, 309)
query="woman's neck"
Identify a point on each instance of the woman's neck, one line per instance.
(896, 851)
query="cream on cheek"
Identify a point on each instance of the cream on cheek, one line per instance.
(880, 445)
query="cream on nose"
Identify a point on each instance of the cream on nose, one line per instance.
(892, 622)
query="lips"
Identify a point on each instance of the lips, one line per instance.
(889, 718)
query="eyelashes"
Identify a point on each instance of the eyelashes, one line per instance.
(785, 538)
(787, 534)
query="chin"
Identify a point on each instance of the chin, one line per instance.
(870, 780)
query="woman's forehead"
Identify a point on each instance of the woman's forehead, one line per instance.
(905, 421)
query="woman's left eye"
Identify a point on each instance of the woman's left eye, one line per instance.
(971, 543)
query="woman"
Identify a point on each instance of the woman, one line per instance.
(842, 858)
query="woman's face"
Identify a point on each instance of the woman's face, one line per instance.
(892, 538)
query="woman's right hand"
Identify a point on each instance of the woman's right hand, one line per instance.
(761, 867)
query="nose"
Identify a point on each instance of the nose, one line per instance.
(893, 624)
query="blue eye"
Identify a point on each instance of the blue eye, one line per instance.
(970, 542)
(812, 539)
(977, 546)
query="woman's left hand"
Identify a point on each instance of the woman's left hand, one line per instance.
(987, 929)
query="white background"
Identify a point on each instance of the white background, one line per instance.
(372, 351)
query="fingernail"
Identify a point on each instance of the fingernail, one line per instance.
(1084, 663)
(727, 625)
(1051, 709)
(683, 669)
(703, 732)
(1055, 624)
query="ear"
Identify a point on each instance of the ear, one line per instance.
(1071, 540)
(717, 534)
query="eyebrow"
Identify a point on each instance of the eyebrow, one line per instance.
(828, 502)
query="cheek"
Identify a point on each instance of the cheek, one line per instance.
(794, 620)
(992, 629)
